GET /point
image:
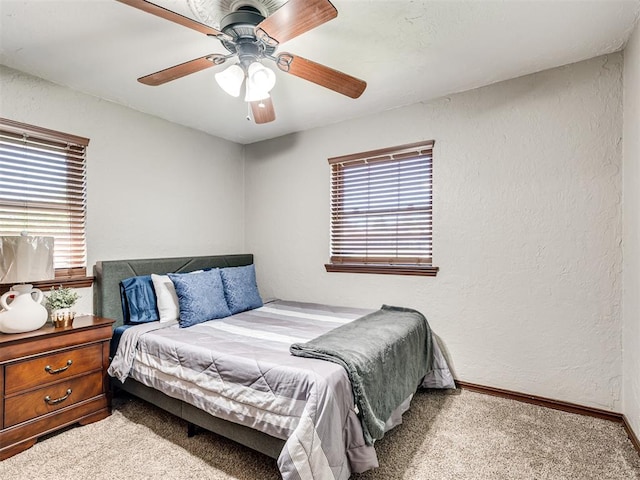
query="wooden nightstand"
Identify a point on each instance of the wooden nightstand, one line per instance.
(51, 378)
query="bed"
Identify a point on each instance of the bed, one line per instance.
(236, 376)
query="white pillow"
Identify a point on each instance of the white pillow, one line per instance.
(167, 299)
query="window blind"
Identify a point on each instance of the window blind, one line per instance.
(43, 190)
(381, 206)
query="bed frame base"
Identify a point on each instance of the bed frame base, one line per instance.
(255, 440)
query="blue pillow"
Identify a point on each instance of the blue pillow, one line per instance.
(241, 288)
(200, 297)
(139, 304)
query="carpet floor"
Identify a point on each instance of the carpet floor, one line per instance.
(464, 435)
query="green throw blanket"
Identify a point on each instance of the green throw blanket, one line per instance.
(385, 354)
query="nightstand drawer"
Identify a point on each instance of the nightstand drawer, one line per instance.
(52, 368)
(50, 398)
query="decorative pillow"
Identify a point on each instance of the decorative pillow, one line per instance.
(138, 300)
(200, 297)
(167, 300)
(241, 288)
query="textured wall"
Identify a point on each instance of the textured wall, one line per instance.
(527, 216)
(154, 188)
(631, 221)
(527, 227)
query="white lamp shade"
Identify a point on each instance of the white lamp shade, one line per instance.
(260, 80)
(261, 77)
(26, 259)
(230, 80)
(255, 94)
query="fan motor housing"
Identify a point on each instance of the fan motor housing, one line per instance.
(246, 16)
(240, 26)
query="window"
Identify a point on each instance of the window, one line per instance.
(381, 211)
(43, 192)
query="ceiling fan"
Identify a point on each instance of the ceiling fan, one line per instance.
(248, 35)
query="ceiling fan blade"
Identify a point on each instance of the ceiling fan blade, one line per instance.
(296, 17)
(171, 16)
(321, 75)
(186, 68)
(262, 111)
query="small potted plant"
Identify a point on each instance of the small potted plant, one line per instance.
(59, 303)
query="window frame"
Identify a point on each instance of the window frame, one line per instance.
(68, 277)
(421, 265)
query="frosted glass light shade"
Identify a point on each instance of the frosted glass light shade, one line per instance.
(230, 80)
(255, 94)
(26, 259)
(260, 80)
(261, 77)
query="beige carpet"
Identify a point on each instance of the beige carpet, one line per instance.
(457, 436)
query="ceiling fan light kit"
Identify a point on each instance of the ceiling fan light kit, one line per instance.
(246, 34)
(260, 80)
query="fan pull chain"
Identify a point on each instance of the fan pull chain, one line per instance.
(248, 111)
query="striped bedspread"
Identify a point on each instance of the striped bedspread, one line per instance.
(239, 368)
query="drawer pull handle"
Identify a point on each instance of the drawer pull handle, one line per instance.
(48, 368)
(57, 400)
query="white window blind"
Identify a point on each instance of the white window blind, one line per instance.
(43, 190)
(381, 207)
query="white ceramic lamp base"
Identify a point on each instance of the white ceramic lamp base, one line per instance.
(25, 312)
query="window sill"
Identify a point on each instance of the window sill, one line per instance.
(418, 270)
(74, 282)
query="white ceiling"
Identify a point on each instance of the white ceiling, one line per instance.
(407, 51)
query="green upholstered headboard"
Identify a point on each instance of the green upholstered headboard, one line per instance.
(109, 273)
